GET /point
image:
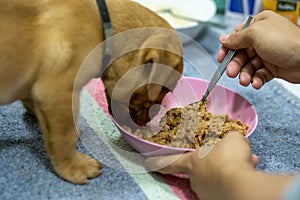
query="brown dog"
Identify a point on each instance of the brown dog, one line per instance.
(42, 46)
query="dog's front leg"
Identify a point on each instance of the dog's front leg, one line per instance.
(52, 101)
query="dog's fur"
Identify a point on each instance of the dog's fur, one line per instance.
(42, 46)
(151, 48)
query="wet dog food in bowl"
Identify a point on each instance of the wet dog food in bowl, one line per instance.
(180, 127)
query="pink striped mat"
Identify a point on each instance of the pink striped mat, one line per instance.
(180, 187)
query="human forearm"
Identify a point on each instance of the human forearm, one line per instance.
(225, 173)
(257, 185)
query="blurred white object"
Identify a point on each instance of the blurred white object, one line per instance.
(293, 88)
(257, 6)
(184, 15)
(200, 10)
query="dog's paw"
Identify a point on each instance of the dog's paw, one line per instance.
(79, 169)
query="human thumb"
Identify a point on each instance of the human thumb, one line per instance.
(168, 164)
(236, 40)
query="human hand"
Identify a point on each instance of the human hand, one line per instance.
(269, 48)
(213, 172)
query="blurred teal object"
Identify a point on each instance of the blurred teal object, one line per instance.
(221, 4)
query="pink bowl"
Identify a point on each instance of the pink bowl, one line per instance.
(222, 100)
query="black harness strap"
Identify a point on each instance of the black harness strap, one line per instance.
(107, 33)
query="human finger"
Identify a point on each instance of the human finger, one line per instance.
(235, 65)
(171, 164)
(249, 69)
(255, 160)
(239, 141)
(222, 53)
(260, 77)
(238, 39)
(224, 50)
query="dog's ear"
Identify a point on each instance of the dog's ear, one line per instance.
(152, 60)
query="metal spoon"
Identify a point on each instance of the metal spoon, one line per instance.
(219, 72)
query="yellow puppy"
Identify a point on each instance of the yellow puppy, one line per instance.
(42, 46)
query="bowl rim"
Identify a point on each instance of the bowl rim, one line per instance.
(178, 148)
